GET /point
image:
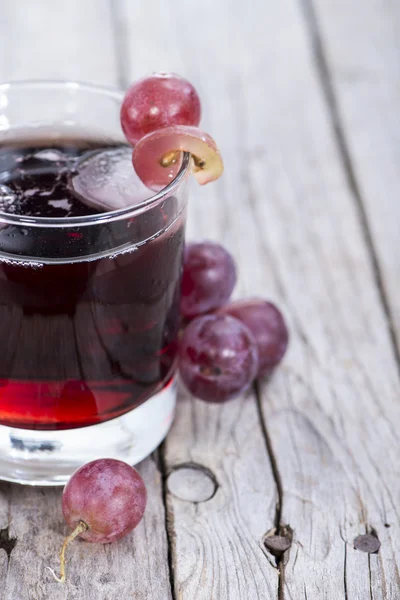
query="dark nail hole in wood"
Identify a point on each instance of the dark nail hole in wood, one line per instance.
(7, 542)
(387, 525)
(278, 541)
(192, 482)
(367, 542)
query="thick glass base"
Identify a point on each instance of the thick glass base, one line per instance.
(50, 457)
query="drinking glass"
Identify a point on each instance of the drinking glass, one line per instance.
(89, 305)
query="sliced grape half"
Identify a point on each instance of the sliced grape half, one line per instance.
(157, 157)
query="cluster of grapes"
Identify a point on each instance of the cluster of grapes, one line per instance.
(222, 353)
(223, 347)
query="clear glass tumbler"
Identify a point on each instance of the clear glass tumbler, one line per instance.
(89, 304)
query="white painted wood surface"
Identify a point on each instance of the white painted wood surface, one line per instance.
(361, 43)
(331, 416)
(287, 211)
(52, 39)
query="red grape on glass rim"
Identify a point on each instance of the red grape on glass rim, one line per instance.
(103, 501)
(157, 101)
(218, 357)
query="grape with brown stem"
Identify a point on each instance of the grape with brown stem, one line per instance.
(103, 501)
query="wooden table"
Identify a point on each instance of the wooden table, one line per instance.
(303, 97)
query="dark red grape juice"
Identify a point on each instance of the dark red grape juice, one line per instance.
(89, 315)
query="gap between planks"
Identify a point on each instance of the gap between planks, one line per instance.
(280, 563)
(325, 81)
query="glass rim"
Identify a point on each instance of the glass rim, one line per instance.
(104, 217)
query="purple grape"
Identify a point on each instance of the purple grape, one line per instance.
(218, 357)
(103, 501)
(209, 276)
(268, 326)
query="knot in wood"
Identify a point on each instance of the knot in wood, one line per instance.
(278, 540)
(277, 544)
(192, 482)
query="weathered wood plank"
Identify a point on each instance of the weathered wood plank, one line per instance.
(216, 543)
(56, 39)
(331, 413)
(52, 39)
(217, 549)
(364, 65)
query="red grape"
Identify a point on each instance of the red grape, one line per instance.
(218, 357)
(103, 501)
(268, 327)
(157, 157)
(158, 101)
(209, 276)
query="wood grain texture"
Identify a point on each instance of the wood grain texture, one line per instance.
(286, 209)
(217, 544)
(363, 67)
(217, 549)
(363, 64)
(331, 414)
(55, 39)
(135, 567)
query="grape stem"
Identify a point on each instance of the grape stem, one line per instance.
(80, 528)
